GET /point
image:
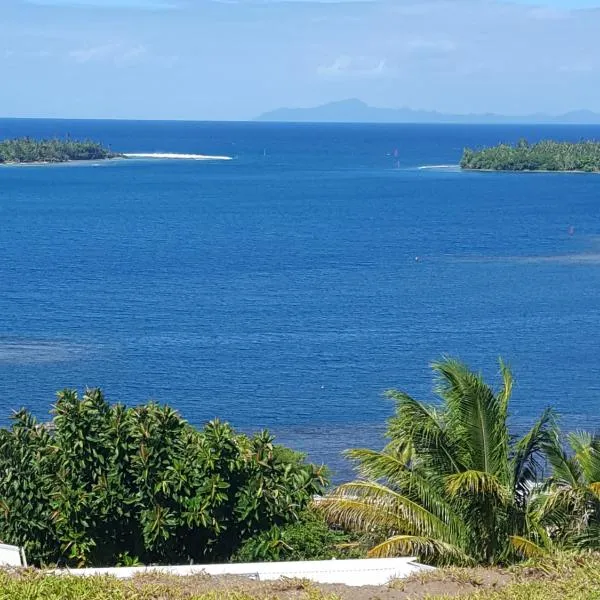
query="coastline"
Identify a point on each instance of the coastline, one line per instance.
(575, 171)
(50, 163)
(121, 157)
(174, 156)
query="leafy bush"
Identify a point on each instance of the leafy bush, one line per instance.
(310, 538)
(103, 484)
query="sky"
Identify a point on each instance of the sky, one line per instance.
(234, 59)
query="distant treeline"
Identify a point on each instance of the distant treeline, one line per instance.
(28, 150)
(542, 156)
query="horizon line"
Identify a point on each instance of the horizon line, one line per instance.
(260, 121)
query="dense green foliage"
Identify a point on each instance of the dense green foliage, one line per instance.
(107, 484)
(453, 485)
(542, 156)
(27, 150)
(310, 538)
(569, 501)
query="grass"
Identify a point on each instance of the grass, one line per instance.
(562, 578)
(35, 585)
(566, 578)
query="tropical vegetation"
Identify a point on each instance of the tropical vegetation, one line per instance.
(28, 150)
(454, 486)
(569, 500)
(546, 155)
(106, 484)
(308, 538)
(103, 485)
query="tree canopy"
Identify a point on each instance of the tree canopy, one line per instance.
(105, 484)
(454, 486)
(28, 150)
(546, 155)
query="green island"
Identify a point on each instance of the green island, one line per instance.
(546, 155)
(504, 516)
(28, 150)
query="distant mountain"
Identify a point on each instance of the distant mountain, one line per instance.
(356, 111)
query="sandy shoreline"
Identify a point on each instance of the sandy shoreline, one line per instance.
(124, 156)
(174, 156)
(579, 171)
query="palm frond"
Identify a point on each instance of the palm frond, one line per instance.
(586, 454)
(377, 465)
(527, 548)
(594, 487)
(358, 504)
(564, 469)
(423, 427)
(423, 547)
(588, 538)
(423, 488)
(360, 515)
(563, 507)
(505, 392)
(526, 462)
(475, 416)
(478, 483)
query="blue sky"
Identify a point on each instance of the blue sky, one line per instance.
(233, 59)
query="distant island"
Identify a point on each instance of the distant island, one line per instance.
(28, 150)
(356, 111)
(543, 156)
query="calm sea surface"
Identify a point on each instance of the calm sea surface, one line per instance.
(290, 287)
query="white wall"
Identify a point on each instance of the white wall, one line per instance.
(10, 556)
(373, 571)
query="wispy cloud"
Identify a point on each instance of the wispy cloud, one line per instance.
(348, 66)
(118, 54)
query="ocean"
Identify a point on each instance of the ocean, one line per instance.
(290, 287)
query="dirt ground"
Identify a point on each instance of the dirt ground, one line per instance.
(452, 582)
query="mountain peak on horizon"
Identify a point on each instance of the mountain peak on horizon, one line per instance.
(354, 110)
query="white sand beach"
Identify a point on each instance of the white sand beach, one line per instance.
(170, 155)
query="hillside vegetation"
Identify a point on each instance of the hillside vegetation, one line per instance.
(28, 150)
(542, 156)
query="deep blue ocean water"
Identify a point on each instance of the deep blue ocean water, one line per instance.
(282, 289)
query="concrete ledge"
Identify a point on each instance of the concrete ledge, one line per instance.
(12, 556)
(358, 572)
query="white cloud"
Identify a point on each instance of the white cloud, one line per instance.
(348, 66)
(118, 54)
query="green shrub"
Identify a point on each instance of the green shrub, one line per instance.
(108, 484)
(309, 538)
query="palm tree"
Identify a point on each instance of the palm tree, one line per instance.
(568, 506)
(452, 485)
